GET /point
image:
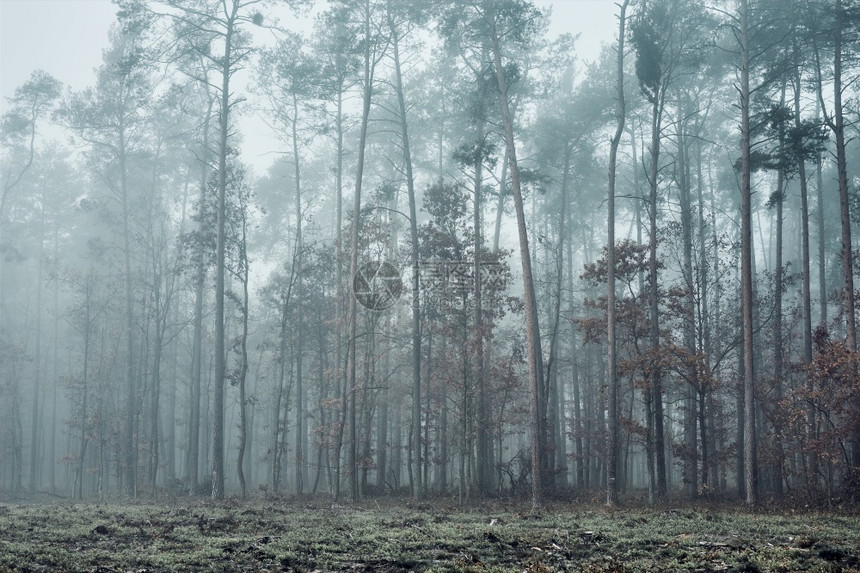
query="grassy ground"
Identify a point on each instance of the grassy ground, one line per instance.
(400, 536)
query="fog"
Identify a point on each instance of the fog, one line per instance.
(451, 250)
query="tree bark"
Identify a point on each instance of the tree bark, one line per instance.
(220, 358)
(353, 265)
(612, 360)
(131, 385)
(484, 440)
(35, 431)
(193, 458)
(299, 323)
(654, 376)
(418, 487)
(243, 357)
(750, 444)
(690, 457)
(532, 327)
(837, 124)
(838, 127)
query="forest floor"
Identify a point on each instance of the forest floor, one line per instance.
(399, 535)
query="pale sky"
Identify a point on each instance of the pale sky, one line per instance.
(66, 37)
(63, 37)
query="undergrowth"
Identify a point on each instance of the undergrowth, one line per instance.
(280, 535)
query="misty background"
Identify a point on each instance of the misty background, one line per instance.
(617, 241)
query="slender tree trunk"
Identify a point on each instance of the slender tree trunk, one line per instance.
(739, 407)
(243, 350)
(750, 443)
(428, 416)
(443, 429)
(822, 246)
(838, 127)
(705, 429)
(837, 124)
(131, 398)
(500, 206)
(298, 322)
(220, 358)
(778, 358)
(171, 407)
(340, 372)
(322, 424)
(655, 375)
(611, 311)
(382, 438)
(278, 425)
(79, 482)
(555, 414)
(484, 440)
(532, 327)
(777, 338)
(574, 375)
(418, 488)
(35, 433)
(812, 478)
(690, 457)
(55, 343)
(193, 459)
(155, 395)
(353, 266)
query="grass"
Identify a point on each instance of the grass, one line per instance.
(401, 536)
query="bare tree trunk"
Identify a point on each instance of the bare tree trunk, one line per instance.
(131, 398)
(339, 373)
(750, 444)
(35, 434)
(443, 426)
(837, 124)
(275, 471)
(155, 396)
(838, 127)
(777, 336)
(299, 323)
(658, 442)
(55, 343)
(812, 475)
(171, 407)
(220, 358)
(88, 285)
(243, 349)
(804, 222)
(500, 206)
(611, 311)
(554, 413)
(532, 327)
(418, 487)
(574, 375)
(193, 458)
(690, 457)
(705, 429)
(822, 247)
(484, 440)
(353, 266)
